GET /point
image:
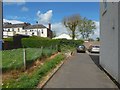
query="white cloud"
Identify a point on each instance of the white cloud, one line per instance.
(12, 21)
(24, 9)
(59, 28)
(44, 18)
(97, 30)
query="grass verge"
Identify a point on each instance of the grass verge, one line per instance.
(13, 59)
(32, 80)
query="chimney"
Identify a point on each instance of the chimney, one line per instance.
(49, 26)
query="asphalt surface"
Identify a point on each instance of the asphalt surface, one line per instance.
(80, 71)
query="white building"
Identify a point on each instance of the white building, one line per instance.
(64, 36)
(10, 30)
(110, 38)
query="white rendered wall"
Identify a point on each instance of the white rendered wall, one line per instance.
(109, 39)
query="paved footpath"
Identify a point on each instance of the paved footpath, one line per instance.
(80, 72)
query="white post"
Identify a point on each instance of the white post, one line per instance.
(42, 50)
(24, 58)
(56, 47)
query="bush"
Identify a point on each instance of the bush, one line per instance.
(37, 42)
(72, 43)
(8, 43)
(8, 39)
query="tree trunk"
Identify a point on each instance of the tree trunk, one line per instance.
(73, 35)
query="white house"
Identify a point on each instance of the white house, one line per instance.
(110, 38)
(10, 30)
(64, 36)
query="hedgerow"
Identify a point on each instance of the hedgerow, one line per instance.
(37, 42)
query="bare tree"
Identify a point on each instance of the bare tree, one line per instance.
(71, 23)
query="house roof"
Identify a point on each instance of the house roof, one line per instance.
(25, 25)
(35, 26)
(14, 25)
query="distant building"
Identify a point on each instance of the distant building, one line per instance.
(110, 38)
(64, 36)
(10, 30)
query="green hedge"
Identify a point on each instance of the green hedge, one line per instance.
(8, 43)
(72, 43)
(37, 42)
(8, 39)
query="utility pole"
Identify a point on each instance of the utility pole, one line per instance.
(1, 41)
(1, 24)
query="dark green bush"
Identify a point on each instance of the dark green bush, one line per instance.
(8, 43)
(37, 42)
(8, 39)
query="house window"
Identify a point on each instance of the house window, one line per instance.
(8, 30)
(42, 31)
(18, 29)
(13, 29)
(32, 33)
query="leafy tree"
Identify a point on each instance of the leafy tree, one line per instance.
(71, 22)
(98, 39)
(86, 27)
(54, 34)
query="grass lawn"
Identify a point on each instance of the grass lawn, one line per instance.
(13, 59)
(32, 80)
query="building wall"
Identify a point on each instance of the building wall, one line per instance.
(8, 32)
(119, 42)
(37, 32)
(109, 38)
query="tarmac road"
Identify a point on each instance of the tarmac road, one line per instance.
(80, 72)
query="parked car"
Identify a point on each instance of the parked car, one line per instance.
(94, 48)
(81, 48)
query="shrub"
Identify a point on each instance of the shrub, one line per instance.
(8, 39)
(37, 42)
(8, 43)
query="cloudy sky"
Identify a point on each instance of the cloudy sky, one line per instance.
(50, 12)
